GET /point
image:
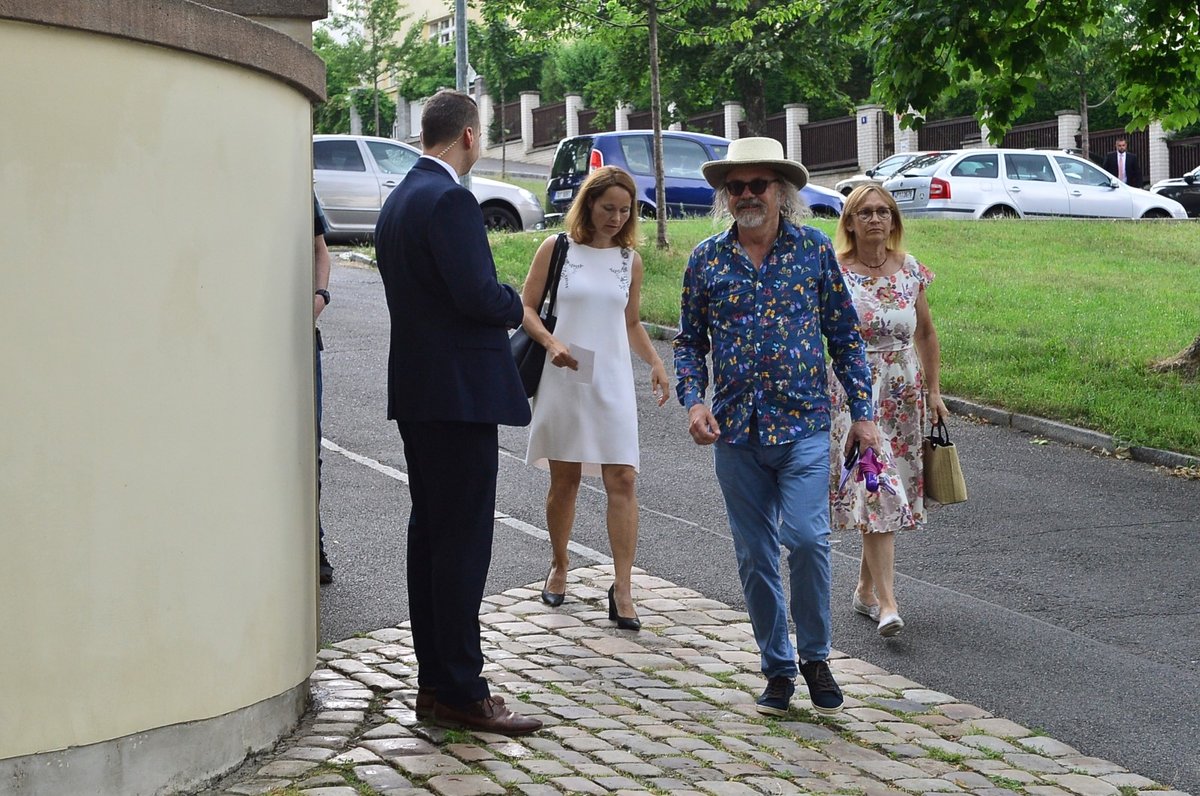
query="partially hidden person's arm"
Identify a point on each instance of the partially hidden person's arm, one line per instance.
(929, 351)
(458, 242)
(639, 340)
(531, 296)
(692, 345)
(839, 324)
(321, 267)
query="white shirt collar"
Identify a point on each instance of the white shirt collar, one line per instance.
(449, 169)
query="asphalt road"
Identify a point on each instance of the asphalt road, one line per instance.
(1063, 595)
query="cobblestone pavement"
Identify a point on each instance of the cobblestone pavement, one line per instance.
(666, 710)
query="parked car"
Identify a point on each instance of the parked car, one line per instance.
(1185, 190)
(882, 170)
(354, 174)
(687, 192)
(1016, 183)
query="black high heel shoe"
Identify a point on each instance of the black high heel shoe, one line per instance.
(550, 598)
(623, 622)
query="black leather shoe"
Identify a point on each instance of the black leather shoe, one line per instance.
(623, 622)
(325, 575)
(550, 598)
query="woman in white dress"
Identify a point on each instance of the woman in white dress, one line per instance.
(585, 411)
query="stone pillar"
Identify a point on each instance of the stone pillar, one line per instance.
(403, 123)
(574, 106)
(734, 114)
(355, 119)
(866, 127)
(795, 116)
(529, 101)
(1069, 125)
(1159, 167)
(904, 140)
(621, 116)
(487, 112)
(984, 135)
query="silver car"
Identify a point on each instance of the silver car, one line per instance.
(882, 171)
(354, 174)
(1019, 183)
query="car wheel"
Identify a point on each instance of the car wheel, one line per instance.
(824, 211)
(1000, 211)
(1156, 212)
(847, 191)
(500, 219)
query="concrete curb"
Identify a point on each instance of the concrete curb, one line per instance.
(1050, 429)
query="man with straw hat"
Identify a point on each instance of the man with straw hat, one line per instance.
(765, 297)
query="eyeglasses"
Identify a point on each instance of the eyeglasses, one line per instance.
(884, 214)
(736, 187)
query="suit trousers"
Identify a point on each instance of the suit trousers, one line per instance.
(452, 470)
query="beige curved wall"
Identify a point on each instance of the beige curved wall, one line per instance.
(156, 475)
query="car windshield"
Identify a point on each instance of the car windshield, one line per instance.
(888, 166)
(924, 165)
(573, 157)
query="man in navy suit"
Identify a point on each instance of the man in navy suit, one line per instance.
(451, 381)
(1123, 164)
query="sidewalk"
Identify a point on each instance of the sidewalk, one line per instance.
(667, 710)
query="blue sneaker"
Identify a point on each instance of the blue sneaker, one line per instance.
(822, 689)
(774, 700)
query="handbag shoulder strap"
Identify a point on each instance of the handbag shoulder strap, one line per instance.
(557, 259)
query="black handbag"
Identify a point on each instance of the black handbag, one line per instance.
(529, 355)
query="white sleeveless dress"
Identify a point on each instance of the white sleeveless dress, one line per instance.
(594, 423)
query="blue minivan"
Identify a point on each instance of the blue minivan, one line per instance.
(687, 192)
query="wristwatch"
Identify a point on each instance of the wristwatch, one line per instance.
(323, 294)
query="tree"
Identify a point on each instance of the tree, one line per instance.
(369, 28)
(924, 50)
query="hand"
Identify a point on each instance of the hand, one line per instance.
(318, 305)
(560, 355)
(935, 408)
(702, 425)
(866, 434)
(659, 385)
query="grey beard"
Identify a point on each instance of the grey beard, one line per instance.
(750, 217)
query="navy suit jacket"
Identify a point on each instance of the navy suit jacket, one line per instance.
(449, 357)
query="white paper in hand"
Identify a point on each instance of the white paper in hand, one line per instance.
(587, 365)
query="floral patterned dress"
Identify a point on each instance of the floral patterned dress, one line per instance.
(887, 311)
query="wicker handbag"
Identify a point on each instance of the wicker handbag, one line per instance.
(944, 481)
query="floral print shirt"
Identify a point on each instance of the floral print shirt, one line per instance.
(764, 327)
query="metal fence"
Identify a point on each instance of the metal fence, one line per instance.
(947, 134)
(1101, 142)
(831, 144)
(587, 123)
(712, 123)
(509, 116)
(1185, 155)
(640, 120)
(549, 124)
(1039, 135)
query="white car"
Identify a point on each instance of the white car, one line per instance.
(354, 174)
(883, 170)
(1019, 183)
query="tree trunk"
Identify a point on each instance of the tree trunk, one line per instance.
(660, 194)
(1186, 362)
(754, 102)
(1084, 142)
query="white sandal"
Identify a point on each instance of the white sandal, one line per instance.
(860, 607)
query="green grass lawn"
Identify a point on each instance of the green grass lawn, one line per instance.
(1059, 319)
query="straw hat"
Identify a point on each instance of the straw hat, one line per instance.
(754, 152)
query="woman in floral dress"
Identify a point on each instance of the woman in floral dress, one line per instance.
(888, 287)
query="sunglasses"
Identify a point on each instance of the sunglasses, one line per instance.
(757, 187)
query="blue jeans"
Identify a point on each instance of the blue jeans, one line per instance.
(779, 495)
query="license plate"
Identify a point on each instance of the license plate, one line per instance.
(904, 194)
(562, 196)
